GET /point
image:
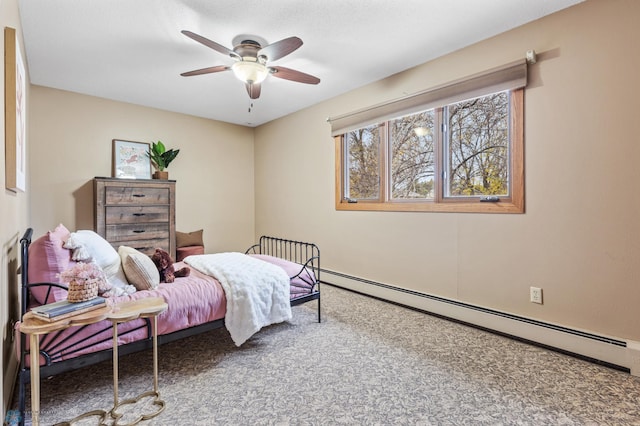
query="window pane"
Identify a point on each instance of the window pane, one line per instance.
(363, 163)
(412, 156)
(478, 147)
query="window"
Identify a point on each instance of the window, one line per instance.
(476, 147)
(412, 156)
(362, 164)
(464, 156)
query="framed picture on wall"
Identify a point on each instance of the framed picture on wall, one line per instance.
(130, 160)
(15, 114)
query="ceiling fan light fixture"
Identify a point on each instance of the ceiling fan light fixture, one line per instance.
(250, 72)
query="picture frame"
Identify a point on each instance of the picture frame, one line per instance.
(131, 160)
(15, 141)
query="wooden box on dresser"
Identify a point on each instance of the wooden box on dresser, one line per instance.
(138, 213)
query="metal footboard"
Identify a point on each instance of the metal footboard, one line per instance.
(307, 255)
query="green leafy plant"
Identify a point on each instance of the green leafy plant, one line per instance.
(160, 156)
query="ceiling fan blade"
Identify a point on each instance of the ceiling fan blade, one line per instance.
(253, 90)
(211, 44)
(208, 70)
(277, 50)
(293, 75)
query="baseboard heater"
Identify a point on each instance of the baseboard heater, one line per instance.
(607, 351)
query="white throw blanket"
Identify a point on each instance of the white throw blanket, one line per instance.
(257, 292)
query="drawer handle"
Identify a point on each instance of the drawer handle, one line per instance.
(139, 214)
(142, 248)
(139, 195)
(138, 231)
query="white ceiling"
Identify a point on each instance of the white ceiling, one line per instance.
(133, 51)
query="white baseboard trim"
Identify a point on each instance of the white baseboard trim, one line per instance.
(612, 352)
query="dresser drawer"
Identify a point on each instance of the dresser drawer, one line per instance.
(147, 247)
(137, 231)
(136, 214)
(136, 195)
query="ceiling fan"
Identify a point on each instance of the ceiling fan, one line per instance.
(251, 59)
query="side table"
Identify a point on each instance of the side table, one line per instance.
(121, 312)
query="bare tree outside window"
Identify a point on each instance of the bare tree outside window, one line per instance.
(478, 147)
(363, 163)
(412, 156)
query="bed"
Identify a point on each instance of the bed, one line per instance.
(197, 303)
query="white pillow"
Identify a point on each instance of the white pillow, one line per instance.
(88, 246)
(139, 268)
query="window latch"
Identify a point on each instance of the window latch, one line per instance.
(491, 199)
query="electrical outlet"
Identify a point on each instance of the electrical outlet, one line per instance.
(535, 295)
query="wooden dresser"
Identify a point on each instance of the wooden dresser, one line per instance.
(138, 213)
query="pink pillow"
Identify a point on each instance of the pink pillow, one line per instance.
(182, 252)
(47, 258)
(300, 285)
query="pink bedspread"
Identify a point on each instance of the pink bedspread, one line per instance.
(192, 301)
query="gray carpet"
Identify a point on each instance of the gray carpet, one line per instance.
(367, 363)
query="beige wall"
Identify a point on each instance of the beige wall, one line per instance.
(578, 239)
(71, 143)
(13, 220)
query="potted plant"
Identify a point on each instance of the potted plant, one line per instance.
(161, 157)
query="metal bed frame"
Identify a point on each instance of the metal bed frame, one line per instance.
(305, 254)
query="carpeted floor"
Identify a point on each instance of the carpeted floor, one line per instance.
(367, 363)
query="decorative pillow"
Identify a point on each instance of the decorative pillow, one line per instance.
(185, 239)
(182, 252)
(47, 258)
(88, 246)
(303, 281)
(139, 268)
